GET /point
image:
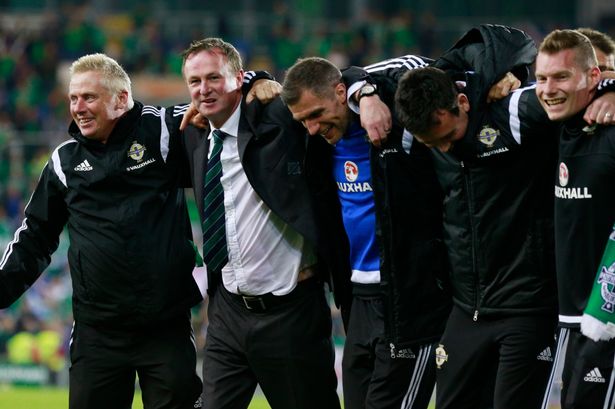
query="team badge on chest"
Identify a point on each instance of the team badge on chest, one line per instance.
(488, 135)
(136, 151)
(563, 174)
(351, 171)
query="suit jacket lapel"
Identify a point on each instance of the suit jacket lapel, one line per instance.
(244, 133)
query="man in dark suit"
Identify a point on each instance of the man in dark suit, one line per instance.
(267, 254)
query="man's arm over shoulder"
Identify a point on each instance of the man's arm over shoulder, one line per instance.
(275, 113)
(251, 77)
(375, 111)
(602, 108)
(527, 118)
(387, 71)
(29, 253)
(174, 149)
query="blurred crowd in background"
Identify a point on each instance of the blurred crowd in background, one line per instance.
(38, 42)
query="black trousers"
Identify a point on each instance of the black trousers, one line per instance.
(502, 363)
(588, 373)
(284, 346)
(105, 362)
(376, 377)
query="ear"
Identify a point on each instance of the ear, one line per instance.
(463, 102)
(594, 76)
(122, 100)
(340, 92)
(239, 78)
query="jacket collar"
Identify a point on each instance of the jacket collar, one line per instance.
(122, 129)
(576, 125)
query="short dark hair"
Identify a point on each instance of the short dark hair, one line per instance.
(212, 43)
(316, 74)
(599, 40)
(420, 93)
(560, 40)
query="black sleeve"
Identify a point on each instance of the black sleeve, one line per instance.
(533, 120)
(250, 77)
(604, 87)
(177, 151)
(354, 74)
(389, 70)
(37, 238)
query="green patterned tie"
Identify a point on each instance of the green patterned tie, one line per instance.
(215, 253)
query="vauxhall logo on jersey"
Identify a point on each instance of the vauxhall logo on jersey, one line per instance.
(351, 172)
(136, 152)
(564, 192)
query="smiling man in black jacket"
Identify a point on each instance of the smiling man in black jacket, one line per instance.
(117, 186)
(567, 77)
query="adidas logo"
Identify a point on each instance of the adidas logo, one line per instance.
(404, 353)
(594, 376)
(84, 166)
(545, 355)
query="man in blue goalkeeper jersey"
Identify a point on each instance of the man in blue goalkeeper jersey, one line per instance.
(391, 208)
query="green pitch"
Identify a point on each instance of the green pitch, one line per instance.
(15, 397)
(54, 398)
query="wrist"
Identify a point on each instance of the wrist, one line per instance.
(367, 90)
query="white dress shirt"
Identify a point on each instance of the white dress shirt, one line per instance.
(265, 254)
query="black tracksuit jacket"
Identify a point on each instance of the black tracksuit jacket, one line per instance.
(130, 252)
(498, 204)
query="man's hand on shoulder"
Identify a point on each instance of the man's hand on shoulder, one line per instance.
(601, 110)
(192, 116)
(503, 87)
(264, 90)
(375, 118)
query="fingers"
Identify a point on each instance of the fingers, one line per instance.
(599, 116)
(251, 95)
(378, 134)
(601, 110)
(375, 119)
(184, 123)
(188, 116)
(498, 92)
(264, 90)
(377, 138)
(504, 87)
(192, 116)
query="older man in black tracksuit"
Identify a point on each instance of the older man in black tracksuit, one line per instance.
(116, 185)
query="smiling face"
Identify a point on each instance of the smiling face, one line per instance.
(325, 116)
(563, 86)
(93, 107)
(214, 88)
(449, 127)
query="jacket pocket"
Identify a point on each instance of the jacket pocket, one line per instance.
(80, 287)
